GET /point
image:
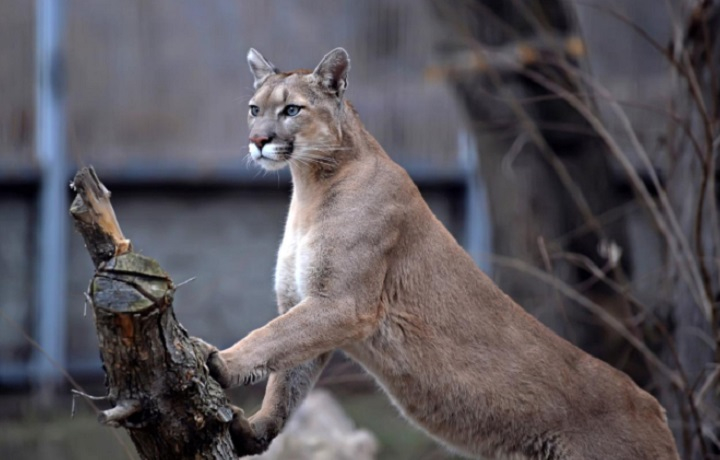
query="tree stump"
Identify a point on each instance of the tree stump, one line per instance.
(155, 374)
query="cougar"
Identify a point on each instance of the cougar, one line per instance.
(365, 267)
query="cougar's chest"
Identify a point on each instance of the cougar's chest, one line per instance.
(294, 265)
(300, 257)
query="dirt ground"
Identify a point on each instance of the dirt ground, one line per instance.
(27, 432)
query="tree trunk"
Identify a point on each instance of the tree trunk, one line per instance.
(156, 378)
(549, 182)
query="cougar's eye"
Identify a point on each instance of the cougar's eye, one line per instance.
(292, 110)
(254, 110)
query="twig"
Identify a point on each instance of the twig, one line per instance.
(90, 397)
(669, 229)
(561, 305)
(119, 413)
(189, 280)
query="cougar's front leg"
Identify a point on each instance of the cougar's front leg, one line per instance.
(284, 393)
(314, 327)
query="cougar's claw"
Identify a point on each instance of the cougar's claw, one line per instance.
(204, 348)
(250, 437)
(255, 376)
(215, 364)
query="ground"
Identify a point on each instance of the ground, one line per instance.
(31, 434)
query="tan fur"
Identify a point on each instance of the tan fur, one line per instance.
(365, 267)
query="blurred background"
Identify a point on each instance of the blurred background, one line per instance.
(569, 145)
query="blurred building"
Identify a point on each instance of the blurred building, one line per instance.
(156, 98)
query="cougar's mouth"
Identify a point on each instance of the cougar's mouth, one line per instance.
(271, 156)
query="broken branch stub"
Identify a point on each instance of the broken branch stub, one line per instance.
(95, 219)
(156, 378)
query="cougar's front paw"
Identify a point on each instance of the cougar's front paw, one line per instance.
(216, 364)
(235, 368)
(251, 437)
(219, 370)
(203, 348)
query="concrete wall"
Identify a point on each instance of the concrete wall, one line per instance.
(226, 237)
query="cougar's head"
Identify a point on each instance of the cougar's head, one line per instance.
(295, 116)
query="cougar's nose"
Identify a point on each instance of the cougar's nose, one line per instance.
(260, 141)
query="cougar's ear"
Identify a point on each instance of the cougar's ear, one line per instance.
(260, 67)
(333, 70)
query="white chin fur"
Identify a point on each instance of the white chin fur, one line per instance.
(268, 158)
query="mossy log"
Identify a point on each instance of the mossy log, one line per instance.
(156, 376)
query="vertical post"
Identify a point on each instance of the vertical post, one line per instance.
(53, 221)
(477, 222)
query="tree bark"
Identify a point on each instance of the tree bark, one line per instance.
(156, 377)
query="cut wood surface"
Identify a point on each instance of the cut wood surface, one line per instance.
(156, 377)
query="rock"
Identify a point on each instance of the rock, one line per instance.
(320, 430)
